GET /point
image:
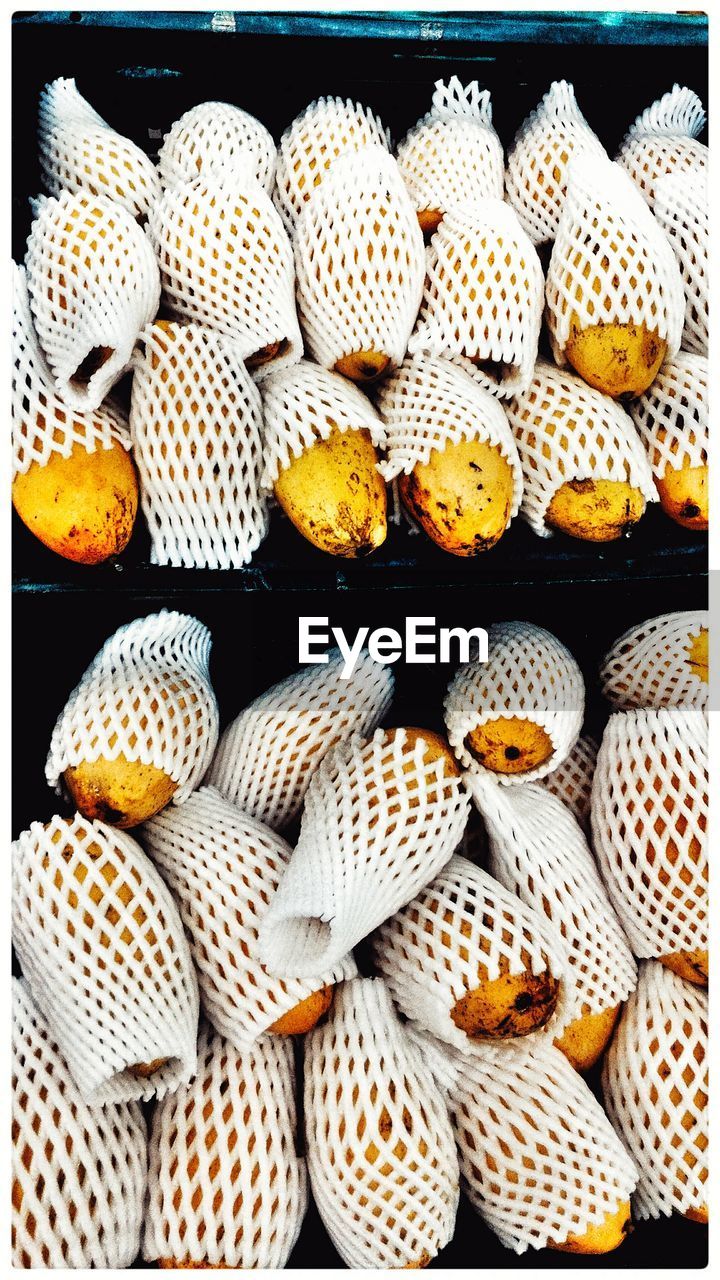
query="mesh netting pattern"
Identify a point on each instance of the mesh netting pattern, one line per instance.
(267, 756)
(78, 1173)
(94, 284)
(223, 868)
(537, 164)
(682, 208)
(529, 675)
(225, 1186)
(80, 152)
(566, 430)
(672, 417)
(464, 930)
(380, 1150)
(102, 946)
(216, 137)
(651, 664)
(649, 822)
(571, 782)
(379, 822)
(663, 139)
(147, 696)
(655, 1086)
(196, 424)
(226, 262)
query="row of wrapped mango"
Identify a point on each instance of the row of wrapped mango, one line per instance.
(293, 340)
(527, 902)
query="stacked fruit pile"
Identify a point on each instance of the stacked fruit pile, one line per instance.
(507, 951)
(253, 290)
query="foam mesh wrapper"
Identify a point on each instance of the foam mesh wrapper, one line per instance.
(539, 1159)
(94, 283)
(225, 1186)
(304, 404)
(226, 262)
(673, 416)
(42, 426)
(663, 139)
(453, 154)
(571, 782)
(537, 163)
(430, 403)
(530, 675)
(682, 209)
(655, 1087)
(80, 152)
(216, 137)
(325, 130)
(565, 430)
(268, 754)
(222, 868)
(649, 824)
(147, 696)
(539, 852)
(463, 930)
(649, 665)
(483, 294)
(380, 1149)
(378, 824)
(611, 263)
(360, 260)
(78, 1172)
(197, 428)
(102, 946)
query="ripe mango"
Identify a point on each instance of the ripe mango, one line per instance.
(510, 744)
(586, 1038)
(685, 496)
(507, 1006)
(304, 1016)
(363, 367)
(595, 510)
(461, 497)
(603, 1238)
(121, 792)
(620, 360)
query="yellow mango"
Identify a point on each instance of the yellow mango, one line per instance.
(510, 744)
(595, 510)
(461, 497)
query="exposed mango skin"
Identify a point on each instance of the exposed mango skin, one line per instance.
(436, 748)
(595, 510)
(121, 792)
(510, 745)
(363, 366)
(698, 1215)
(82, 507)
(586, 1038)
(305, 1015)
(603, 1238)
(335, 496)
(429, 220)
(699, 656)
(620, 360)
(685, 496)
(690, 965)
(508, 1006)
(461, 497)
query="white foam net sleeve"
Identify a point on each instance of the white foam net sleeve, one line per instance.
(225, 1185)
(663, 139)
(216, 137)
(430, 403)
(565, 430)
(453, 154)
(529, 674)
(483, 294)
(223, 868)
(78, 1173)
(226, 262)
(380, 1150)
(682, 209)
(539, 1159)
(539, 852)
(147, 696)
(571, 782)
(378, 824)
(611, 263)
(655, 1087)
(268, 754)
(197, 427)
(673, 415)
(650, 664)
(463, 930)
(537, 163)
(325, 130)
(649, 823)
(80, 152)
(102, 946)
(94, 283)
(41, 424)
(360, 260)
(306, 403)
